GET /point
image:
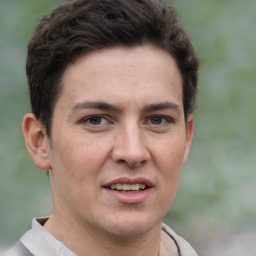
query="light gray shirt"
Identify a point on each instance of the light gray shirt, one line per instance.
(39, 242)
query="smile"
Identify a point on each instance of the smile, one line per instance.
(128, 188)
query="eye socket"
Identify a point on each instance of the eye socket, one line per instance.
(159, 120)
(95, 120)
(156, 120)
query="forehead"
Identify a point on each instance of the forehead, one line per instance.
(123, 74)
(125, 59)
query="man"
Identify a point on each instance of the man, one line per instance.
(112, 86)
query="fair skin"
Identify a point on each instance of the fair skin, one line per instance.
(118, 142)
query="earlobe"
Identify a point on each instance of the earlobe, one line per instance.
(37, 141)
(189, 136)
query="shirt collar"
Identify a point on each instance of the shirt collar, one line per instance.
(40, 242)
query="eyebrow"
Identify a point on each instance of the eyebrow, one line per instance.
(110, 107)
(95, 105)
(161, 106)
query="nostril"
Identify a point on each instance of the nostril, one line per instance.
(130, 149)
(134, 164)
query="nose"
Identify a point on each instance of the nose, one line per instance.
(130, 147)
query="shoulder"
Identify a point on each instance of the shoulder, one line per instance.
(185, 249)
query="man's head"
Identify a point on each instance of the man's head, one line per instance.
(83, 26)
(118, 142)
(113, 82)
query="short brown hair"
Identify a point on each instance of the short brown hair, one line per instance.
(81, 26)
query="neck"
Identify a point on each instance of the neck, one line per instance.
(83, 239)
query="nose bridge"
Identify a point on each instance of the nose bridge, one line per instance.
(133, 137)
(130, 145)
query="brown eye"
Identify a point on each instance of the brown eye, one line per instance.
(96, 123)
(156, 120)
(95, 120)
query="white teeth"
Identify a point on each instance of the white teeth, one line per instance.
(118, 186)
(135, 187)
(128, 187)
(142, 186)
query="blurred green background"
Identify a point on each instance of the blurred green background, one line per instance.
(217, 194)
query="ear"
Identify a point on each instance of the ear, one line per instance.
(37, 141)
(189, 136)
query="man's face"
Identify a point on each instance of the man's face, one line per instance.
(118, 140)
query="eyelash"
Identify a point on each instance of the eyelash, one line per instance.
(89, 118)
(165, 120)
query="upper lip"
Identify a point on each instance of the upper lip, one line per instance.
(127, 180)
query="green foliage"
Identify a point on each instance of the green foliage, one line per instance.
(218, 181)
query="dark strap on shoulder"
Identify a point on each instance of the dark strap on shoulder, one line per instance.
(23, 251)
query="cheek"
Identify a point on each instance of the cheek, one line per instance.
(170, 155)
(79, 158)
(75, 171)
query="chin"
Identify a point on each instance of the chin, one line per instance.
(128, 231)
(131, 226)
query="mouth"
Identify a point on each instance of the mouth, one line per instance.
(128, 188)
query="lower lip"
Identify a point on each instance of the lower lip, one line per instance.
(130, 198)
